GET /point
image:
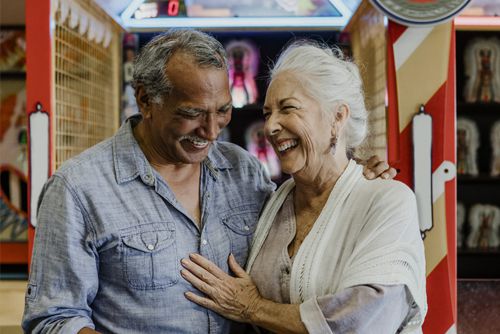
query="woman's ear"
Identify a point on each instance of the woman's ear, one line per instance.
(341, 114)
(143, 101)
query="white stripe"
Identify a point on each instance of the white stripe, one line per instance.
(39, 158)
(445, 172)
(452, 330)
(408, 42)
(422, 168)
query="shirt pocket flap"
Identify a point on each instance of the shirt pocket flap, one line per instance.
(149, 242)
(241, 223)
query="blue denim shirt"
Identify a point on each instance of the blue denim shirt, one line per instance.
(111, 235)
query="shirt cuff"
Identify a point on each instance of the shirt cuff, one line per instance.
(74, 325)
(312, 317)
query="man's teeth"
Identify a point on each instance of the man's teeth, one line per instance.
(287, 145)
(196, 141)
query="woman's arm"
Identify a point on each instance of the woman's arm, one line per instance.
(237, 298)
(359, 309)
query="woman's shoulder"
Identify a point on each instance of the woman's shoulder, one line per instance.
(385, 191)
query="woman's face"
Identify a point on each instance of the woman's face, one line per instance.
(295, 125)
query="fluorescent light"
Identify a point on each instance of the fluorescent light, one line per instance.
(160, 23)
(477, 21)
(239, 22)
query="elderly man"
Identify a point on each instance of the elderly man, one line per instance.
(114, 222)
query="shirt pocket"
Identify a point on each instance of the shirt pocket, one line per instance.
(239, 225)
(150, 258)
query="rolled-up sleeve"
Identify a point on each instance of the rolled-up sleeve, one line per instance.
(64, 271)
(359, 309)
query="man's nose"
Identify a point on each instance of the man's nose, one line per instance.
(210, 127)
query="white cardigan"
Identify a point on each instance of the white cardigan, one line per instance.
(367, 233)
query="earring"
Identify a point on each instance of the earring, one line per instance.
(333, 144)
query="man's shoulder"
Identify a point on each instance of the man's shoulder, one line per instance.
(86, 162)
(234, 154)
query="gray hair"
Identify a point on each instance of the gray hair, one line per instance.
(329, 79)
(149, 65)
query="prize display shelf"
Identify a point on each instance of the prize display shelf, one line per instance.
(480, 262)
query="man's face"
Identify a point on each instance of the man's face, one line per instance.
(183, 128)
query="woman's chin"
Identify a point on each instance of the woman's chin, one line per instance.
(290, 170)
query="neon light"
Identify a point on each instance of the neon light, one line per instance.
(173, 8)
(235, 22)
(475, 21)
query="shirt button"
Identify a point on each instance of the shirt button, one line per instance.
(204, 242)
(148, 178)
(151, 247)
(246, 228)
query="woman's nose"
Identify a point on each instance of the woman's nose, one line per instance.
(272, 126)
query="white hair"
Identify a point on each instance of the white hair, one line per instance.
(329, 79)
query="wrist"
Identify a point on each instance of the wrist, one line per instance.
(254, 309)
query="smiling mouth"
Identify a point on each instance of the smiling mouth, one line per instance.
(287, 145)
(197, 142)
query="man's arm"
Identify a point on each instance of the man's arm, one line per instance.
(376, 167)
(63, 277)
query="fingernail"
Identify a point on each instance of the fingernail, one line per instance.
(193, 255)
(385, 176)
(183, 272)
(184, 262)
(370, 174)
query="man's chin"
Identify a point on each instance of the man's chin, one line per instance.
(198, 156)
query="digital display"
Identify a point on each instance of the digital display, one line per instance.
(236, 8)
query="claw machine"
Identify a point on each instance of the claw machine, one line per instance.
(73, 79)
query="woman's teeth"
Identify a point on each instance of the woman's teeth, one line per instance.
(287, 145)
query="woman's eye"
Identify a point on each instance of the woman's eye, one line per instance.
(266, 115)
(289, 108)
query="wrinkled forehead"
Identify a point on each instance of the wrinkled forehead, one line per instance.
(285, 85)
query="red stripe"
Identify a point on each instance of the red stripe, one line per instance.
(38, 79)
(439, 316)
(449, 152)
(395, 31)
(436, 107)
(392, 107)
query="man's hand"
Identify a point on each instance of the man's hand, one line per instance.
(376, 167)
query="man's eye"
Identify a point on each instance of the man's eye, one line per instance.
(190, 114)
(224, 111)
(266, 115)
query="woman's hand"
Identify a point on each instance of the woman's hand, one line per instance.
(235, 298)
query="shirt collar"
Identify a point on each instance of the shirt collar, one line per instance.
(130, 161)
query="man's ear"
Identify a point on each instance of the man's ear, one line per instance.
(143, 101)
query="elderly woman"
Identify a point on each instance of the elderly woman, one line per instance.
(333, 252)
